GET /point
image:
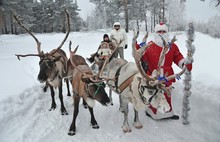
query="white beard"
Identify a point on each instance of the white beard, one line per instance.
(159, 41)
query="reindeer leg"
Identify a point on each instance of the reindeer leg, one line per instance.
(53, 105)
(93, 122)
(126, 128)
(72, 129)
(120, 104)
(63, 109)
(68, 87)
(85, 104)
(110, 96)
(137, 123)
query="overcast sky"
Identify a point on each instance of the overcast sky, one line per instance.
(195, 9)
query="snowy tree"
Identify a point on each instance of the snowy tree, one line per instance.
(175, 16)
(39, 15)
(9, 8)
(213, 26)
(106, 13)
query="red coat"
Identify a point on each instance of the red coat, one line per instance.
(152, 55)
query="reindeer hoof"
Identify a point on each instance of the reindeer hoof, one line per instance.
(52, 108)
(95, 126)
(64, 113)
(69, 95)
(126, 129)
(138, 125)
(71, 133)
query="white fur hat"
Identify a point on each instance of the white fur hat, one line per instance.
(117, 23)
(161, 27)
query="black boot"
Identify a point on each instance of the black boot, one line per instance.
(92, 58)
(148, 114)
(175, 117)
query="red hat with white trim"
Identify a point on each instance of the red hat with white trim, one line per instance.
(161, 27)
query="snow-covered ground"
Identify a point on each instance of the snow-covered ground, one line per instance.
(24, 115)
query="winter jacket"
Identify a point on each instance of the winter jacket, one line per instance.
(119, 35)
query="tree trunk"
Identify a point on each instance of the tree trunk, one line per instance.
(5, 24)
(162, 12)
(11, 20)
(154, 17)
(126, 14)
(145, 21)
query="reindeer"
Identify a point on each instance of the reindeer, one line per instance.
(135, 86)
(85, 85)
(53, 66)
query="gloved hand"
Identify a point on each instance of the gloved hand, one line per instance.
(189, 67)
(126, 46)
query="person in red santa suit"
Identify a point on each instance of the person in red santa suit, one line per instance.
(151, 58)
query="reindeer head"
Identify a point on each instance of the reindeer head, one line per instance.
(97, 91)
(48, 61)
(48, 68)
(94, 86)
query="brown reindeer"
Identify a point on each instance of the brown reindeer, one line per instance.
(85, 85)
(53, 66)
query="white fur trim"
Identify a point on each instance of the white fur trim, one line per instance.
(162, 106)
(160, 27)
(180, 64)
(159, 115)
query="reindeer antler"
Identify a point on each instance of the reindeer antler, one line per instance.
(165, 49)
(37, 41)
(137, 54)
(67, 34)
(40, 53)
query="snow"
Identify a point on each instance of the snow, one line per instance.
(24, 106)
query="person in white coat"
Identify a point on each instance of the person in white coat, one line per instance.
(117, 35)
